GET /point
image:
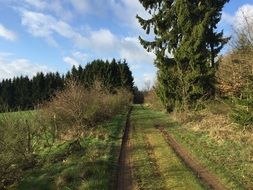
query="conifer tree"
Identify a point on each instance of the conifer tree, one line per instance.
(186, 44)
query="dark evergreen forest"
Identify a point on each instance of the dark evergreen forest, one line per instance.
(23, 93)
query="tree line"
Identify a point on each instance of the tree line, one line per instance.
(22, 93)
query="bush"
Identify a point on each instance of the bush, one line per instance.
(152, 100)
(76, 108)
(16, 146)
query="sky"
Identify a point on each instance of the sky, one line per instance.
(54, 35)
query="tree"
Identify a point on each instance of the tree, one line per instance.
(186, 43)
(126, 77)
(24, 93)
(243, 38)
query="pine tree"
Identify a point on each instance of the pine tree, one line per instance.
(125, 76)
(186, 44)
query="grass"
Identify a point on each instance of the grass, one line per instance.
(231, 161)
(155, 164)
(25, 115)
(218, 143)
(91, 165)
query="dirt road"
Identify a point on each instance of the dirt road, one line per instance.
(126, 166)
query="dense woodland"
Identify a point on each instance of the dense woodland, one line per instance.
(25, 93)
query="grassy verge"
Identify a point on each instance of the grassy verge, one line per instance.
(231, 161)
(155, 165)
(89, 164)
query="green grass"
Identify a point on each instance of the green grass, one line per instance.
(230, 161)
(18, 114)
(90, 167)
(155, 164)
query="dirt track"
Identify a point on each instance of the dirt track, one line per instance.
(124, 180)
(124, 177)
(205, 175)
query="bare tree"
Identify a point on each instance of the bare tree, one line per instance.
(147, 85)
(243, 33)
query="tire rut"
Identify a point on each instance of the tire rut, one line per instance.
(203, 173)
(124, 178)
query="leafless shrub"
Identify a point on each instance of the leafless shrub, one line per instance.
(152, 100)
(243, 32)
(72, 111)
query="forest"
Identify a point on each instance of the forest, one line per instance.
(22, 93)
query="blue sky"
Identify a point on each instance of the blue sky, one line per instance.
(54, 35)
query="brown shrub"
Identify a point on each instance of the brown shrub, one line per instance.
(235, 73)
(213, 120)
(152, 100)
(75, 109)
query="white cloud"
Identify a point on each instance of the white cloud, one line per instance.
(227, 18)
(244, 16)
(71, 61)
(149, 77)
(5, 54)
(7, 34)
(42, 25)
(132, 50)
(126, 11)
(81, 5)
(55, 7)
(103, 40)
(10, 68)
(40, 4)
(46, 26)
(238, 20)
(80, 56)
(58, 8)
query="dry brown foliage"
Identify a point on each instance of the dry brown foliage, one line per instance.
(235, 73)
(215, 121)
(152, 100)
(72, 111)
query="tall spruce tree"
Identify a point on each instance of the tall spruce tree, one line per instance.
(186, 43)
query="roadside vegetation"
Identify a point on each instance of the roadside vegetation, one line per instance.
(219, 143)
(70, 141)
(88, 163)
